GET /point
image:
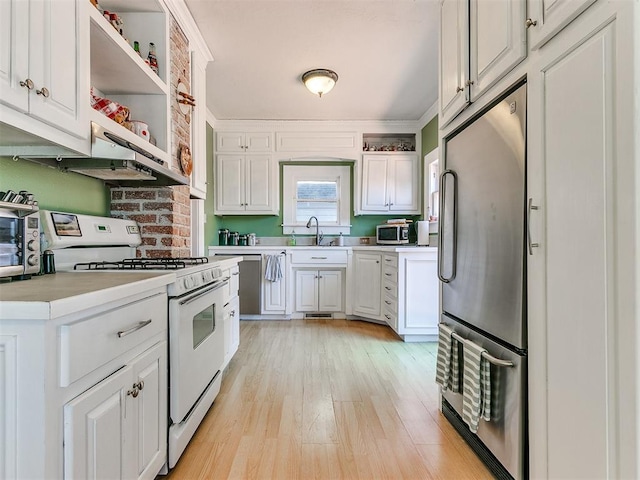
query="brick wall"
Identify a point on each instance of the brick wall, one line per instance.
(164, 213)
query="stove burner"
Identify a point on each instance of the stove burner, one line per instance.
(143, 264)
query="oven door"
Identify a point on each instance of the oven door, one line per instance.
(196, 345)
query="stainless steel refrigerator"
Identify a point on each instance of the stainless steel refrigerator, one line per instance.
(483, 271)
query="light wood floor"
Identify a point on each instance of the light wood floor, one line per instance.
(327, 399)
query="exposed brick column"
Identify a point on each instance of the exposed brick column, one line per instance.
(164, 213)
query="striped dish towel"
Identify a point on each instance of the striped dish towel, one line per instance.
(447, 369)
(476, 389)
(273, 269)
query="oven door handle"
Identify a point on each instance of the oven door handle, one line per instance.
(206, 290)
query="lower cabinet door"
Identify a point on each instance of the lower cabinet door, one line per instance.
(96, 429)
(330, 291)
(118, 428)
(150, 412)
(306, 291)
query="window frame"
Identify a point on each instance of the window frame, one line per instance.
(292, 174)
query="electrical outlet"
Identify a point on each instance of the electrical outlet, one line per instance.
(364, 241)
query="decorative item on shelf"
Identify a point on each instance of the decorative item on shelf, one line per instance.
(185, 100)
(136, 48)
(186, 162)
(113, 110)
(141, 129)
(153, 59)
(319, 81)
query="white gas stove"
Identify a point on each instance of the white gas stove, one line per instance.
(196, 304)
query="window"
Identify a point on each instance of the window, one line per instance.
(321, 191)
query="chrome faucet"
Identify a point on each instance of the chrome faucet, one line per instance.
(318, 234)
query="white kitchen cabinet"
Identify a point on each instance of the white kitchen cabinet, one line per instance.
(367, 284)
(198, 184)
(318, 291)
(116, 429)
(274, 294)
(390, 183)
(246, 184)
(231, 314)
(241, 142)
(480, 42)
(43, 64)
(581, 283)
(548, 17)
(454, 58)
(65, 373)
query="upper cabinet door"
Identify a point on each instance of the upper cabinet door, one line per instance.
(548, 17)
(14, 53)
(498, 41)
(229, 142)
(230, 184)
(404, 180)
(57, 54)
(375, 195)
(258, 142)
(454, 58)
(259, 187)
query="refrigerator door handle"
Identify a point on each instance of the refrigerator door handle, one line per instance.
(454, 227)
(530, 207)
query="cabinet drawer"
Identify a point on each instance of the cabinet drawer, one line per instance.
(390, 304)
(390, 275)
(390, 288)
(391, 260)
(323, 256)
(90, 343)
(391, 318)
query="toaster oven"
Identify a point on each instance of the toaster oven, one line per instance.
(19, 243)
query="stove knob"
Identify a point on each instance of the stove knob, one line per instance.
(186, 282)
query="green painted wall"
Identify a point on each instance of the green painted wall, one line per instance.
(55, 190)
(269, 226)
(430, 136)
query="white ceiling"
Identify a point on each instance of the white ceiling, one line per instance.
(385, 53)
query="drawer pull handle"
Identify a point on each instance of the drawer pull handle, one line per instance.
(235, 273)
(318, 258)
(387, 302)
(387, 288)
(388, 274)
(388, 317)
(128, 331)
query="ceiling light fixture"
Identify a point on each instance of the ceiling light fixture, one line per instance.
(319, 81)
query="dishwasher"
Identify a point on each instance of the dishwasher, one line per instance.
(250, 284)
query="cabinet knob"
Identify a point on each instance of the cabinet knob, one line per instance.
(28, 83)
(530, 23)
(134, 392)
(44, 91)
(139, 385)
(459, 89)
(469, 82)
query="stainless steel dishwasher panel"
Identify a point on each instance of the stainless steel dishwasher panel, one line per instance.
(250, 284)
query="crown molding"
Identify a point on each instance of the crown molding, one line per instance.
(429, 115)
(184, 18)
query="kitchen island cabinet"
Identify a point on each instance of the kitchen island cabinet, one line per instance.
(84, 375)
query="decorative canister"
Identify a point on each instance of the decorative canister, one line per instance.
(223, 236)
(242, 240)
(251, 239)
(233, 238)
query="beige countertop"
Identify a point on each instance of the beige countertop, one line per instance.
(51, 296)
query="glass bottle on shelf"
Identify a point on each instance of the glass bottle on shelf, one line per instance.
(136, 48)
(152, 59)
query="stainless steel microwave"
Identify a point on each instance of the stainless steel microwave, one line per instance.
(19, 243)
(392, 234)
